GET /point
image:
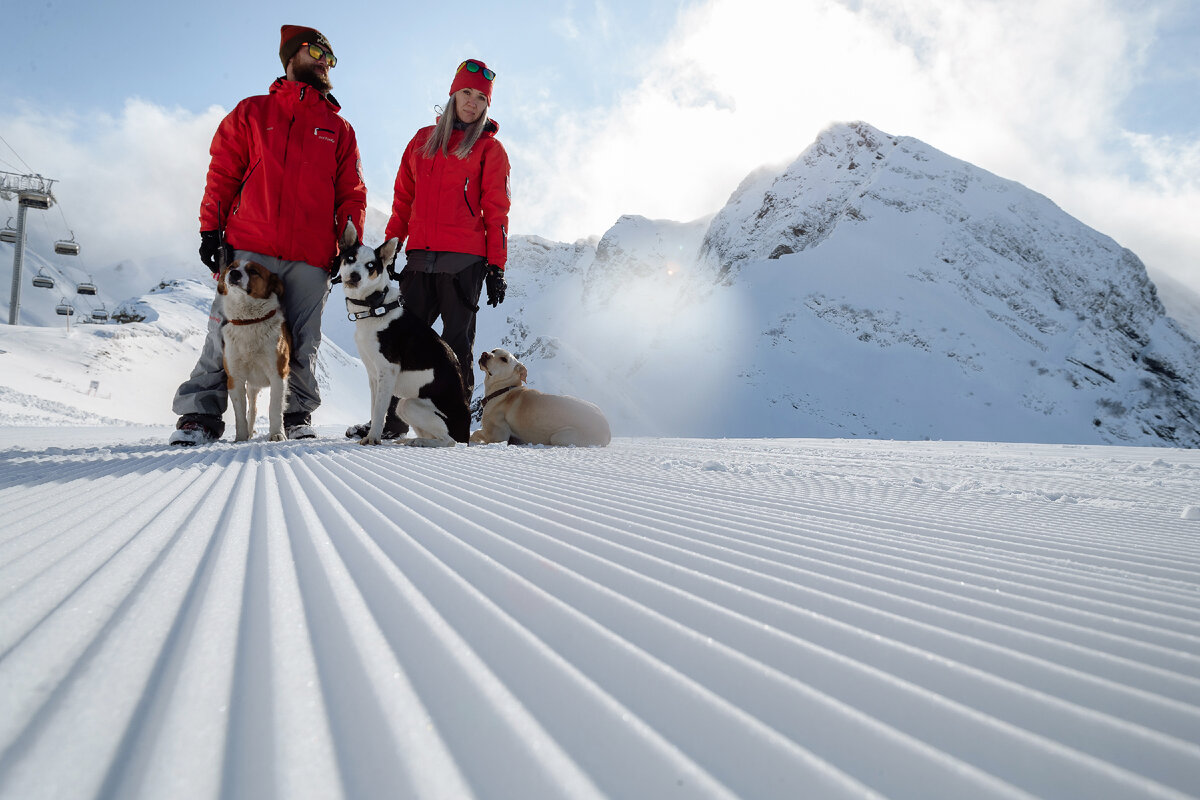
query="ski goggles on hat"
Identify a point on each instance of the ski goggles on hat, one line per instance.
(473, 66)
(317, 52)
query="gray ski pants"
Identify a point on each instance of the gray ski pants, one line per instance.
(305, 290)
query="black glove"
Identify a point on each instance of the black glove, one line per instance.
(210, 248)
(496, 287)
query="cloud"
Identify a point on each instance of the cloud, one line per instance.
(566, 28)
(1155, 215)
(1029, 90)
(127, 185)
(1032, 91)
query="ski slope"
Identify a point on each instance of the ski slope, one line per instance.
(662, 618)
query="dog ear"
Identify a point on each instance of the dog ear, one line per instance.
(274, 284)
(387, 253)
(221, 288)
(349, 236)
(522, 373)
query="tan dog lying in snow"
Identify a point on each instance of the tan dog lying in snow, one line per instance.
(519, 415)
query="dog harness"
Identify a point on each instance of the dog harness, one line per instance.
(374, 305)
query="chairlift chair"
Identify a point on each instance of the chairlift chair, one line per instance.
(43, 281)
(9, 233)
(64, 309)
(100, 314)
(67, 247)
(39, 200)
(87, 287)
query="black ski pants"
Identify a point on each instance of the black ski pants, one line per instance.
(453, 296)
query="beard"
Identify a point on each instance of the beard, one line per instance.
(308, 74)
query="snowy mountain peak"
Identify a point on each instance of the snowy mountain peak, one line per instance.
(655, 255)
(887, 243)
(777, 213)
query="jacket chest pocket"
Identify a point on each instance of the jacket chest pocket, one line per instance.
(467, 197)
(320, 145)
(316, 178)
(470, 189)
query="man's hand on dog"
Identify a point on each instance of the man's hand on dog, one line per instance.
(210, 248)
(496, 285)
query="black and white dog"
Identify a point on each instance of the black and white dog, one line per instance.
(404, 357)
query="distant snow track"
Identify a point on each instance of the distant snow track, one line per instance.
(660, 618)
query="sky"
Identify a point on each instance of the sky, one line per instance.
(624, 107)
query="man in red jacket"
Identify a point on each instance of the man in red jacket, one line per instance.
(284, 179)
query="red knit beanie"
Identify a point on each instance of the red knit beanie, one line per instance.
(292, 36)
(465, 79)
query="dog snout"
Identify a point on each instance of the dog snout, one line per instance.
(234, 276)
(352, 278)
(484, 357)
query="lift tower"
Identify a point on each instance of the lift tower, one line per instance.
(31, 191)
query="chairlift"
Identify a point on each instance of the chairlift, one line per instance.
(64, 309)
(43, 281)
(9, 233)
(38, 200)
(87, 287)
(100, 314)
(67, 247)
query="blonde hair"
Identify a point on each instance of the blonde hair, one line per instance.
(442, 131)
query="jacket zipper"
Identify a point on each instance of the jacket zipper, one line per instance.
(237, 198)
(287, 139)
(465, 200)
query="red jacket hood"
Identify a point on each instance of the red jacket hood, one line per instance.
(491, 128)
(300, 92)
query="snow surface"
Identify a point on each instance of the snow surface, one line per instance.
(47, 373)
(659, 618)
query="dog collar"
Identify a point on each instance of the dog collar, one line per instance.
(374, 307)
(496, 394)
(252, 321)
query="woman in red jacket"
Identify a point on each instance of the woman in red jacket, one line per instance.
(450, 209)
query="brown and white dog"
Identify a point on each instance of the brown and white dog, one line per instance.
(519, 415)
(258, 344)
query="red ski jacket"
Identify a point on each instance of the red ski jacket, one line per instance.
(450, 204)
(285, 176)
